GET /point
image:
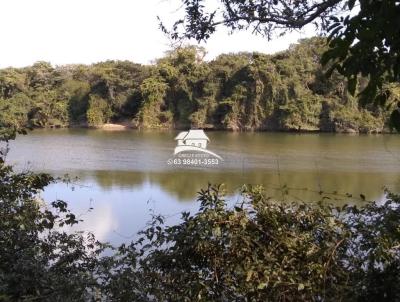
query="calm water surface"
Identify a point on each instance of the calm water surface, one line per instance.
(124, 175)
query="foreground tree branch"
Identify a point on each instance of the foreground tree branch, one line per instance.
(363, 41)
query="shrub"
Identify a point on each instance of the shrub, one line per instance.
(40, 260)
(98, 112)
(263, 250)
(256, 250)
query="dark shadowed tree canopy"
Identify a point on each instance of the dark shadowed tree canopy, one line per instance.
(363, 35)
(287, 91)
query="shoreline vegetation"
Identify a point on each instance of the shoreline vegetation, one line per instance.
(287, 91)
(129, 126)
(254, 248)
(259, 249)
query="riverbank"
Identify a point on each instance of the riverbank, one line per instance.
(114, 127)
(120, 126)
(234, 92)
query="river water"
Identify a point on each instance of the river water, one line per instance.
(125, 175)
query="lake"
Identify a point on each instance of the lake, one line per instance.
(124, 175)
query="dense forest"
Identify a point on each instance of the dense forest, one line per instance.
(287, 91)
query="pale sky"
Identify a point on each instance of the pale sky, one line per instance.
(88, 31)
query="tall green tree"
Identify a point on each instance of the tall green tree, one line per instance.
(363, 35)
(244, 91)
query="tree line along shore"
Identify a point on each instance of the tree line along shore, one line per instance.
(286, 91)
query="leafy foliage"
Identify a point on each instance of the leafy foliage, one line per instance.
(245, 91)
(264, 250)
(98, 111)
(265, 17)
(257, 250)
(40, 259)
(367, 44)
(363, 34)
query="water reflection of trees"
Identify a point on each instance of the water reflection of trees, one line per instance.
(305, 186)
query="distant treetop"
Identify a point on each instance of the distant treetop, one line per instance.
(363, 35)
